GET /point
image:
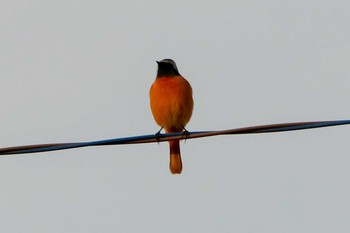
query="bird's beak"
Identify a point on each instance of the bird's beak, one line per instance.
(157, 62)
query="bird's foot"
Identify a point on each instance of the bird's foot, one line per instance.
(158, 135)
(186, 134)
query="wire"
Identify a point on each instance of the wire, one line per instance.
(172, 136)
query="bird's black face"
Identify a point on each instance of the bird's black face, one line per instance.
(167, 68)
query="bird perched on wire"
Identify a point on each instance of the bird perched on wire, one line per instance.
(171, 104)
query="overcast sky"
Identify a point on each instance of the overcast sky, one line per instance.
(81, 71)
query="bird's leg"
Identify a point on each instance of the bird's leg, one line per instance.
(185, 133)
(158, 135)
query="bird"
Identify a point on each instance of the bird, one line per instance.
(171, 104)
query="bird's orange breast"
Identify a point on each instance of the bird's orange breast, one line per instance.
(171, 102)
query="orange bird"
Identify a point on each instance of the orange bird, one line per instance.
(171, 104)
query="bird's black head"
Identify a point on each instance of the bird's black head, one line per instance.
(167, 68)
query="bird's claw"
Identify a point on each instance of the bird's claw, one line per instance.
(158, 135)
(186, 134)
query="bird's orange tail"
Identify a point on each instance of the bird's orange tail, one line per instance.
(175, 157)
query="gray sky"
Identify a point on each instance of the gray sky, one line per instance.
(81, 71)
